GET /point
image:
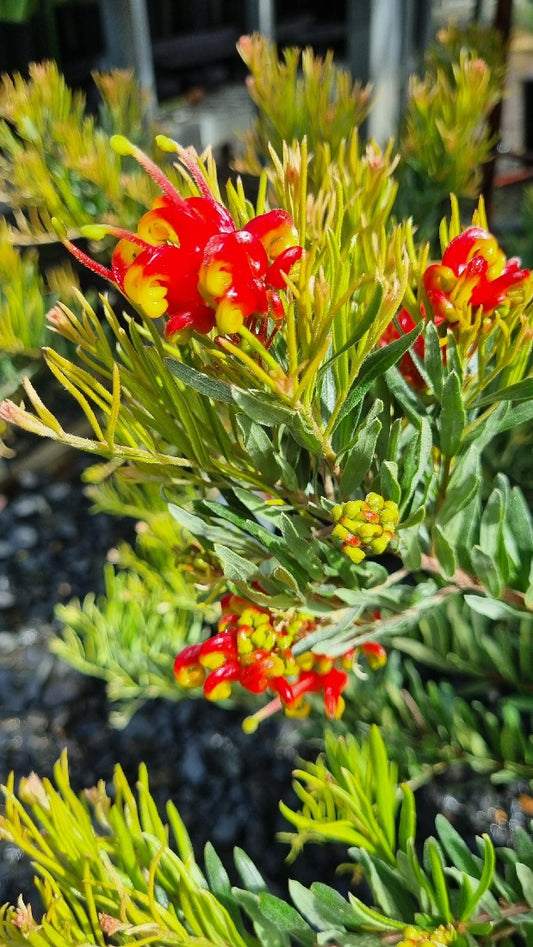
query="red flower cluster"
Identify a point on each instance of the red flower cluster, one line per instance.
(406, 365)
(474, 275)
(253, 647)
(189, 262)
(474, 272)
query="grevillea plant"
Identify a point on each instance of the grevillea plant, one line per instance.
(298, 397)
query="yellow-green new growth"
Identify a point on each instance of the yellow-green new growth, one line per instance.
(365, 525)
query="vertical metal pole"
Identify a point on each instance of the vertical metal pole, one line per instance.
(261, 17)
(386, 51)
(358, 15)
(127, 38)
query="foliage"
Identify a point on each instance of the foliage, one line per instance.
(55, 158)
(298, 95)
(119, 875)
(445, 136)
(302, 405)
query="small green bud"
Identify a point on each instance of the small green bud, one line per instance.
(122, 145)
(94, 231)
(379, 544)
(367, 531)
(355, 553)
(353, 508)
(375, 501)
(167, 144)
(340, 532)
(59, 228)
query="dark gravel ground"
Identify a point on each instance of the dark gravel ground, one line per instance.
(226, 785)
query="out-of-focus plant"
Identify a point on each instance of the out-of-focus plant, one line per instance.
(25, 297)
(110, 871)
(55, 158)
(445, 137)
(154, 587)
(299, 94)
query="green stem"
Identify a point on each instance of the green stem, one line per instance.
(340, 401)
(253, 367)
(263, 353)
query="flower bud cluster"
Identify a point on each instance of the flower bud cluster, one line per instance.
(474, 277)
(189, 263)
(253, 647)
(365, 526)
(474, 273)
(415, 937)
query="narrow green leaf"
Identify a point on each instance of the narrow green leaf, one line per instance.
(303, 434)
(514, 416)
(370, 918)
(445, 552)
(433, 358)
(217, 876)
(489, 865)
(456, 849)
(235, 567)
(267, 934)
(204, 384)
(465, 900)
(363, 325)
(416, 465)
(306, 904)
(405, 396)
(331, 904)
(359, 459)
(452, 416)
(262, 407)
(251, 877)
(442, 898)
(385, 792)
(464, 484)
(259, 448)
(486, 569)
(522, 391)
(388, 481)
(493, 609)
(285, 918)
(407, 823)
(375, 365)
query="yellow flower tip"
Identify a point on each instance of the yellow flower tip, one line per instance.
(180, 338)
(375, 502)
(340, 532)
(167, 144)
(355, 553)
(229, 318)
(122, 146)
(214, 660)
(221, 692)
(250, 724)
(94, 231)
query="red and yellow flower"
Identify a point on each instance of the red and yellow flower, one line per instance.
(475, 273)
(253, 647)
(188, 262)
(474, 278)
